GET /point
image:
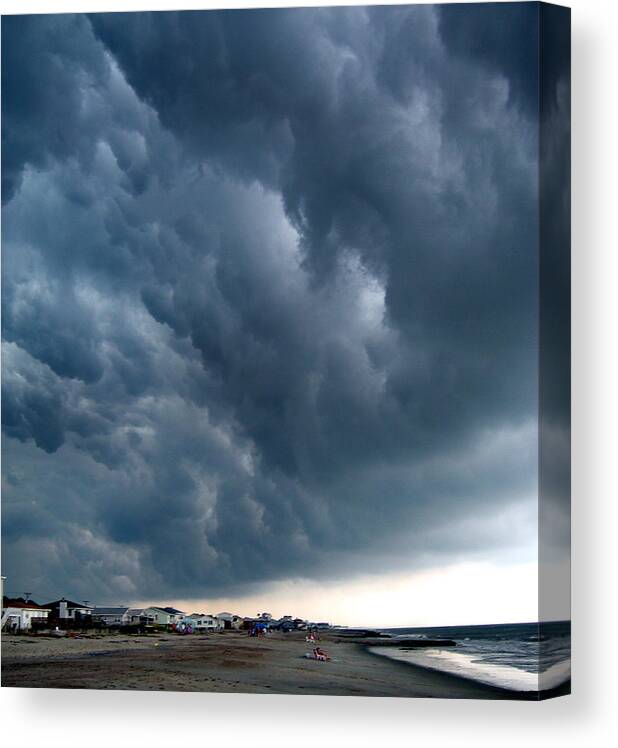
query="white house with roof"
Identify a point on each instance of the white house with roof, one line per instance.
(231, 621)
(204, 622)
(19, 614)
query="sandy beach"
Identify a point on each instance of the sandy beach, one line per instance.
(228, 662)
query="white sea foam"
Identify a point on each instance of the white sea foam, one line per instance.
(469, 666)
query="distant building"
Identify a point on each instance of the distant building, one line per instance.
(112, 615)
(287, 623)
(19, 614)
(204, 622)
(160, 616)
(175, 615)
(137, 616)
(283, 624)
(64, 609)
(231, 621)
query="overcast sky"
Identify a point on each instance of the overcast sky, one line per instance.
(269, 298)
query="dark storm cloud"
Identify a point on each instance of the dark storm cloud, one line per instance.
(269, 284)
(45, 67)
(501, 36)
(555, 317)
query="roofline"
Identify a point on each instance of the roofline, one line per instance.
(26, 607)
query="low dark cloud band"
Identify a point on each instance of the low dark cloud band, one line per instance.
(269, 294)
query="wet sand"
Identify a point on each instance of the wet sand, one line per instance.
(224, 663)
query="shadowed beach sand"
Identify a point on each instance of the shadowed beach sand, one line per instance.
(228, 663)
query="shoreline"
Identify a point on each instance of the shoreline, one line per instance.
(227, 663)
(563, 689)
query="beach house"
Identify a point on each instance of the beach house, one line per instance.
(112, 615)
(20, 614)
(175, 615)
(163, 616)
(204, 622)
(137, 616)
(231, 621)
(288, 623)
(67, 610)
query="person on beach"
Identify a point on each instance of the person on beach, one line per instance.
(320, 654)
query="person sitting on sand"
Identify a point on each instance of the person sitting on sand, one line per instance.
(320, 654)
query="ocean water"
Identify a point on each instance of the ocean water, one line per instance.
(518, 656)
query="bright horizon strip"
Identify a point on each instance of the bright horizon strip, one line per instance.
(461, 594)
